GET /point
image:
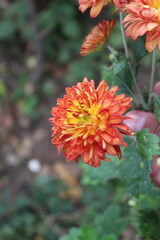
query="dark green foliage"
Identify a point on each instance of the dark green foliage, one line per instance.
(119, 75)
(84, 233)
(63, 31)
(148, 216)
(108, 171)
(122, 71)
(111, 221)
(73, 234)
(59, 35)
(32, 215)
(138, 48)
(147, 144)
(7, 29)
(134, 171)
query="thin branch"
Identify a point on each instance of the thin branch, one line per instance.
(141, 98)
(153, 68)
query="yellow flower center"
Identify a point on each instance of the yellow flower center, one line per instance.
(87, 121)
(156, 4)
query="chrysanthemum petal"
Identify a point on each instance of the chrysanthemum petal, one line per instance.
(121, 4)
(95, 5)
(143, 18)
(97, 37)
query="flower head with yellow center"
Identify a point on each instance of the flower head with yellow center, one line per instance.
(144, 18)
(87, 122)
(95, 5)
(97, 37)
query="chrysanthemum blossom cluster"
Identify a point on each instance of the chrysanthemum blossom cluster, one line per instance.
(87, 122)
(95, 5)
(97, 37)
(144, 18)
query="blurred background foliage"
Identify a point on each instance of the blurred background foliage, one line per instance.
(39, 57)
(39, 46)
(41, 197)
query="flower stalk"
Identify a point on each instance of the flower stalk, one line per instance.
(141, 98)
(123, 36)
(153, 68)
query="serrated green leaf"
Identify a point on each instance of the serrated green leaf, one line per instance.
(88, 233)
(73, 234)
(108, 76)
(95, 176)
(114, 80)
(147, 144)
(111, 221)
(157, 106)
(148, 217)
(122, 71)
(138, 48)
(135, 171)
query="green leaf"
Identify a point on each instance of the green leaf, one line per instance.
(113, 80)
(88, 233)
(111, 221)
(6, 30)
(73, 234)
(47, 19)
(138, 48)
(22, 202)
(157, 106)
(109, 77)
(95, 176)
(148, 217)
(122, 71)
(147, 144)
(135, 171)
(110, 237)
(17, 8)
(72, 29)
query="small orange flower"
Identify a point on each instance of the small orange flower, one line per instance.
(121, 4)
(87, 122)
(144, 18)
(97, 37)
(95, 5)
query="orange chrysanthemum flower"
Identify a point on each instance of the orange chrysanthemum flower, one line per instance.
(144, 18)
(97, 37)
(95, 5)
(88, 122)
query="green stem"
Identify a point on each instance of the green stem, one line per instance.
(123, 35)
(142, 101)
(152, 77)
